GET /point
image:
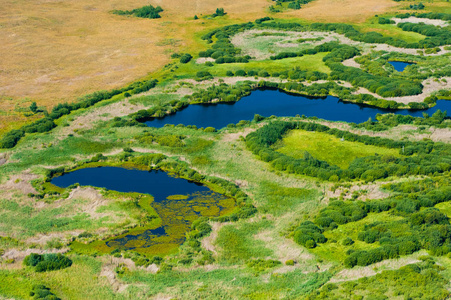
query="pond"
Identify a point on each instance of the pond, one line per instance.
(178, 202)
(157, 183)
(400, 65)
(268, 102)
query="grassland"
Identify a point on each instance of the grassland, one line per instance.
(97, 50)
(328, 148)
(255, 257)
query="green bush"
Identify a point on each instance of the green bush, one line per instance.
(47, 262)
(148, 12)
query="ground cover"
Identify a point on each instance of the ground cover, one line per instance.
(328, 148)
(234, 255)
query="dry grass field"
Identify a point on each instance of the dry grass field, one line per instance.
(57, 50)
(350, 11)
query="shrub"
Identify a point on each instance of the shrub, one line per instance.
(47, 262)
(185, 58)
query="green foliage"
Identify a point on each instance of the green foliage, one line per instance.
(308, 235)
(11, 138)
(222, 92)
(427, 161)
(203, 75)
(259, 266)
(385, 21)
(47, 262)
(423, 280)
(219, 12)
(148, 12)
(34, 107)
(185, 58)
(419, 225)
(238, 245)
(40, 291)
(385, 121)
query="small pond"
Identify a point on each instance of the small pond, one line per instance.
(400, 65)
(157, 183)
(178, 202)
(267, 102)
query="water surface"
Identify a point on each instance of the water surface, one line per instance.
(400, 65)
(178, 202)
(157, 183)
(281, 104)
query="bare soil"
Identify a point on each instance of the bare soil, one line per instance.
(421, 20)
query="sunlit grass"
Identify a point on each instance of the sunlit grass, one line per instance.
(328, 148)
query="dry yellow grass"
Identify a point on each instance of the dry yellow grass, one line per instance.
(55, 51)
(350, 11)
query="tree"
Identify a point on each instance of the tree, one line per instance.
(196, 17)
(219, 12)
(34, 107)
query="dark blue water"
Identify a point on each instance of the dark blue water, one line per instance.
(281, 104)
(157, 183)
(399, 65)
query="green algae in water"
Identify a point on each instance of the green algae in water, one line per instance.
(176, 213)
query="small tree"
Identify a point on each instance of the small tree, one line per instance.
(34, 107)
(219, 12)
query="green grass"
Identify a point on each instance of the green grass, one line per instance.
(335, 251)
(237, 244)
(307, 62)
(80, 281)
(392, 31)
(25, 220)
(280, 199)
(445, 207)
(328, 148)
(232, 283)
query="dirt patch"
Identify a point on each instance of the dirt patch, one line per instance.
(94, 201)
(441, 135)
(202, 60)
(20, 182)
(285, 249)
(111, 263)
(230, 137)
(351, 63)
(43, 238)
(421, 20)
(365, 191)
(208, 242)
(104, 113)
(108, 271)
(371, 270)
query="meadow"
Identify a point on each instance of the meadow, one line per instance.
(328, 148)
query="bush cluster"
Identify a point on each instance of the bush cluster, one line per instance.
(40, 291)
(11, 138)
(148, 11)
(47, 262)
(430, 157)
